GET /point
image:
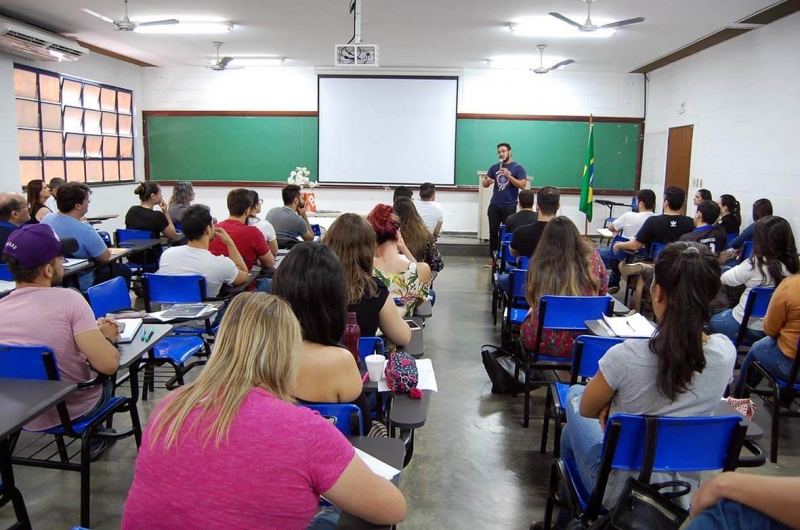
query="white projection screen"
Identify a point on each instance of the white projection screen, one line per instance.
(387, 130)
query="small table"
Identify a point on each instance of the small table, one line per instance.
(97, 219)
(228, 290)
(416, 346)
(131, 353)
(424, 310)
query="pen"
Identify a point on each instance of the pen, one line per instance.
(142, 334)
(629, 325)
(364, 379)
(150, 335)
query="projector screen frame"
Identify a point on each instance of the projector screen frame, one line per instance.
(360, 75)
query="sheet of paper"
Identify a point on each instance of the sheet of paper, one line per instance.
(427, 378)
(379, 467)
(159, 315)
(74, 262)
(6, 286)
(630, 326)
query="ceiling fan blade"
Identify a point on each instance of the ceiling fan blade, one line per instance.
(160, 23)
(559, 65)
(225, 61)
(625, 22)
(559, 16)
(98, 15)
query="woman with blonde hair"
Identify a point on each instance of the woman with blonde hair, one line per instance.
(237, 427)
(182, 197)
(353, 241)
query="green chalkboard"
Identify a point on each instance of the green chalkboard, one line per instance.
(553, 152)
(230, 148)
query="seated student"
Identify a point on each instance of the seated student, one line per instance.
(680, 371)
(761, 209)
(702, 195)
(38, 194)
(53, 186)
(415, 235)
(525, 215)
(66, 323)
(774, 258)
(249, 240)
(353, 241)
(14, 212)
(182, 197)
(565, 265)
(731, 218)
(737, 500)
(627, 225)
(429, 210)
(266, 228)
(237, 427)
(194, 257)
(394, 264)
(777, 350)
(402, 191)
(144, 216)
(312, 281)
(290, 220)
(73, 205)
(526, 237)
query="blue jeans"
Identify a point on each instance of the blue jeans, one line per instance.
(105, 396)
(325, 519)
(582, 439)
(767, 352)
(605, 253)
(730, 515)
(727, 325)
(264, 285)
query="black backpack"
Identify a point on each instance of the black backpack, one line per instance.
(499, 365)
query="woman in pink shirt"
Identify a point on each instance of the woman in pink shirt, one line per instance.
(236, 432)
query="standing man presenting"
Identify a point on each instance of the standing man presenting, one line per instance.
(508, 177)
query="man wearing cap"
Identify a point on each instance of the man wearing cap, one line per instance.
(14, 212)
(37, 313)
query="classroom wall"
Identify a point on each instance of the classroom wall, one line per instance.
(743, 98)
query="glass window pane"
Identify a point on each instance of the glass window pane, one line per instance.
(110, 147)
(24, 83)
(73, 119)
(109, 123)
(111, 169)
(74, 145)
(91, 97)
(125, 148)
(75, 171)
(29, 143)
(49, 88)
(53, 144)
(91, 122)
(93, 145)
(94, 171)
(53, 168)
(108, 99)
(126, 170)
(125, 125)
(51, 117)
(29, 170)
(27, 113)
(71, 93)
(124, 102)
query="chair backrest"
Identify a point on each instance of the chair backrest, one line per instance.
(28, 362)
(747, 249)
(165, 289)
(523, 262)
(731, 237)
(505, 254)
(344, 416)
(315, 229)
(109, 296)
(755, 307)
(5, 275)
(370, 345)
(516, 285)
(586, 355)
(125, 234)
(105, 237)
(502, 232)
(571, 312)
(655, 249)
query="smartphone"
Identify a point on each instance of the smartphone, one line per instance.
(413, 325)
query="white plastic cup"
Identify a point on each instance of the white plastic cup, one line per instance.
(375, 366)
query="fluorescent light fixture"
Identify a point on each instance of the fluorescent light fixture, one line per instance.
(550, 27)
(187, 28)
(254, 61)
(521, 62)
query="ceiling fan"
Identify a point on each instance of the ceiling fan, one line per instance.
(126, 24)
(542, 69)
(589, 27)
(222, 62)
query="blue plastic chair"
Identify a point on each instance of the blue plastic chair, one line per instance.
(166, 289)
(344, 416)
(648, 444)
(747, 250)
(112, 296)
(370, 345)
(730, 238)
(586, 355)
(516, 304)
(655, 250)
(5, 275)
(558, 313)
(39, 363)
(105, 236)
(755, 307)
(123, 235)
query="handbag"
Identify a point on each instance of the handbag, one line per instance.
(499, 366)
(433, 257)
(402, 375)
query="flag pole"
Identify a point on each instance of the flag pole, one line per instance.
(585, 218)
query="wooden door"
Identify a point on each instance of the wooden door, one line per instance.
(679, 159)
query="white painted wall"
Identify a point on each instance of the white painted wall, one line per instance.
(743, 98)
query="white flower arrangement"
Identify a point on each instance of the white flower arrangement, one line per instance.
(300, 177)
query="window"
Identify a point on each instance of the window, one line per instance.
(73, 129)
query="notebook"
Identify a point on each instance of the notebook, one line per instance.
(187, 311)
(129, 328)
(635, 326)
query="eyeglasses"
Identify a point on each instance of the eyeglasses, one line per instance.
(502, 150)
(26, 205)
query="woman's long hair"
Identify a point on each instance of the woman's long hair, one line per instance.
(34, 194)
(415, 233)
(257, 346)
(353, 241)
(774, 246)
(384, 222)
(560, 265)
(182, 193)
(730, 202)
(688, 275)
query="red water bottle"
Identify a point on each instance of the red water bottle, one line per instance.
(352, 334)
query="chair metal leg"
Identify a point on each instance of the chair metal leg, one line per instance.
(546, 420)
(62, 448)
(551, 495)
(527, 397)
(85, 479)
(776, 416)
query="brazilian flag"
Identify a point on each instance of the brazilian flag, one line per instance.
(587, 186)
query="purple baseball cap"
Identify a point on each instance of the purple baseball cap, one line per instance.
(35, 245)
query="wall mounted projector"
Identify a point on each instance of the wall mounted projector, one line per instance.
(355, 55)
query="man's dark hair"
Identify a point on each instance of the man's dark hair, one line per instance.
(71, 195)
(647, 198)
(239, 200)
(525, 198)
(402, 191)
(9, 206)
(55, 183)
(675, 197)
(195, 220)
(290, 193)
(504, 144)
(709, 212)
(548, 200)
(427, 190)
(24, 274)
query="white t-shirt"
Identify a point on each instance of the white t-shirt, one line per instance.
(186, 260)
(431, 213)
(629, 223)
(51, 204)
(749, 276)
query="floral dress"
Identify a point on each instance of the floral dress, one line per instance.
(406, 286)
(558, 343)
